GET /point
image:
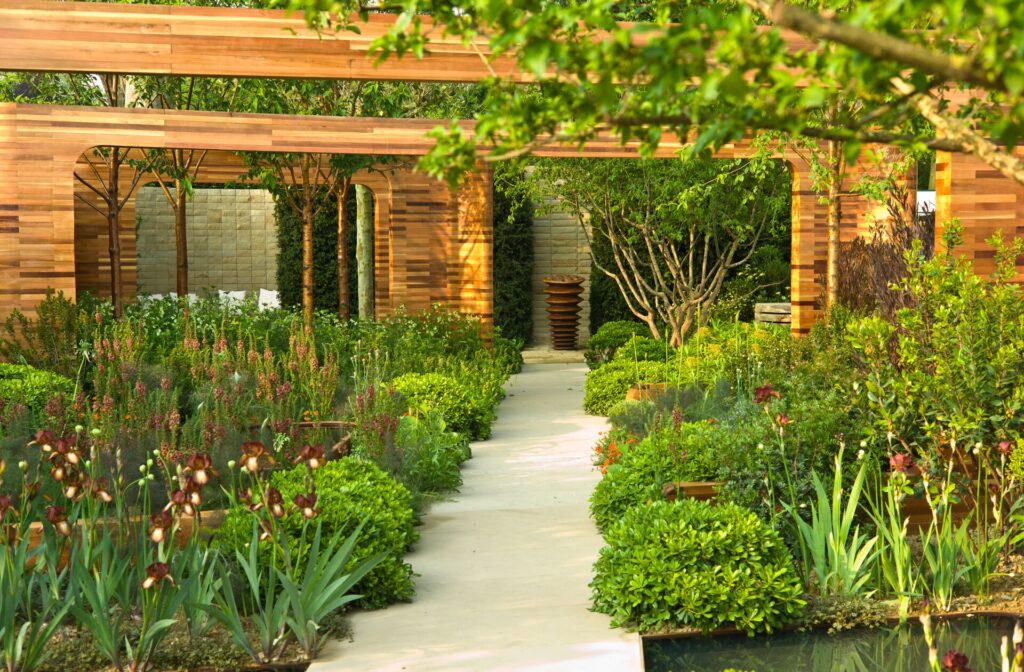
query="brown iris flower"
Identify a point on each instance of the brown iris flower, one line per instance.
(275, 502)
(201, 467)
(180, 501)
(765, 393)
(313, 456)
(155, 573)
(59, 519)
(252, 453)
(159, 523)
(98, 489)
(307, 505)
(44, 438)
(954, 661)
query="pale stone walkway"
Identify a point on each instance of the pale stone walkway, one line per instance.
(504, 567)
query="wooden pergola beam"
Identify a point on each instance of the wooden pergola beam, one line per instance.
(87, 37)
(95, 37)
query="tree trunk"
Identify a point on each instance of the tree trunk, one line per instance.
(307, 244)
(835, 176)
(343, 311)
(307, 263)
(181, 237)
(114, 231)
(364, 251)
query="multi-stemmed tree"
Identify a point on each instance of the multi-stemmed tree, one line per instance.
(675, 228)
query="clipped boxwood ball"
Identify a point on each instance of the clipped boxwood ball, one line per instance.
(348, 490)
(696, 565)
(448, 397)
(607, 386)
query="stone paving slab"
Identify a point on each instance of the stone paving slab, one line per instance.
(504, 566)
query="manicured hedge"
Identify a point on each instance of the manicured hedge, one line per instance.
(348, 490)
(696, 565)
(608, 385)
(513, 263)
(601, 346)
(668, 454)
(462, 411)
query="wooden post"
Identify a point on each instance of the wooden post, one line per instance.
(343, 290)
(364, 251)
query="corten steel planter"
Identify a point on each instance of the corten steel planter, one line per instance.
(564, 295)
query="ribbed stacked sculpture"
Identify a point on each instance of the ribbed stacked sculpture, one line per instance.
(564, 292)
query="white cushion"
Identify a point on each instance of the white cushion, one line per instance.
(231, 298)
(269, 298)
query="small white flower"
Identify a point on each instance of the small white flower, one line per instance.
(977, 447)
(860, 454)
(760, 446)
(95, 431)
(79, 429)
(863, 444)
(231, 464)
(23, 465)
(142, 468)
(890, 436)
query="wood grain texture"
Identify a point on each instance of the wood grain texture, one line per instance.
(48, 36)
(984, 201)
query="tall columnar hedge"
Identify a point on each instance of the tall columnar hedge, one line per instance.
(325, 250)
(513, 263)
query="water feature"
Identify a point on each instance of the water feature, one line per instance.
(897, 649)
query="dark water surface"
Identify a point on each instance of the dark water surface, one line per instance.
(900, 649)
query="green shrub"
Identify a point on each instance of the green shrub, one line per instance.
(447, 396)
(644, 349)
(666, 455)
(513, 258)
(695, 565)
(634, 417)
(52, 340)
(431, 455)
(607, 385)
(601, 346)
(348, 490)
(23, 384)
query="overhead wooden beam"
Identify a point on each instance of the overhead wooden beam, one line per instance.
(90, 37)
(46, 36)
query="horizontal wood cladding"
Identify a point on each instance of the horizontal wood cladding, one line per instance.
(48, 36)
(439, 243)
(984, 201)
(180, 40)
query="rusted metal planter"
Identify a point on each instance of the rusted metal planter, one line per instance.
(564, 295)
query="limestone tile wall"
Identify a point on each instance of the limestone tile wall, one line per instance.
(232, 241)
(559, 246)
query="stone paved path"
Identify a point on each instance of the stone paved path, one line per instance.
(504, 566)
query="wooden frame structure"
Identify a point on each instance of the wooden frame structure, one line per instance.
(40, 145)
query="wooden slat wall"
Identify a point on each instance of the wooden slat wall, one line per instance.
(439, 247)
(985, 202)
